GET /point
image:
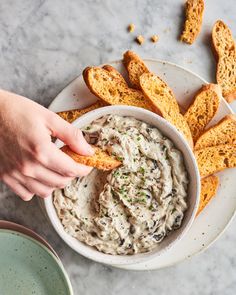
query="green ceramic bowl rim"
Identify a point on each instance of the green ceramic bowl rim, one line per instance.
(58, 262)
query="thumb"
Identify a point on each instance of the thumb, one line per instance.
(71, 136)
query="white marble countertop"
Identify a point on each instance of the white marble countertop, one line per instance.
(43, 45)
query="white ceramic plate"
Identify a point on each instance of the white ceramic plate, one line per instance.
(208, 226)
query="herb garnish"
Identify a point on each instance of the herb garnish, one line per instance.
(142, 170)
(151, 207)
(120, 158)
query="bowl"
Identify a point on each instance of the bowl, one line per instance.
(193, 189)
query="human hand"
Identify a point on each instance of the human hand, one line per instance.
(30, 163)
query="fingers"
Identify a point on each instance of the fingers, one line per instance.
(18, 188)
(61, 163)
(33, 185)
(46, 176)
(38, 188)
(26, 186)
(70, 135)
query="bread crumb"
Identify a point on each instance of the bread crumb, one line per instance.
(154, 38)
(131, 28)
(140, 39)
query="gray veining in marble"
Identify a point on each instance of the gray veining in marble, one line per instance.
(43, 45)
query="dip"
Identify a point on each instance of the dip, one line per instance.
(132, 208)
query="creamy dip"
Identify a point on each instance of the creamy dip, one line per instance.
(132, 208)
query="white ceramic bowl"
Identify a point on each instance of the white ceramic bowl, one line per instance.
(193, 190)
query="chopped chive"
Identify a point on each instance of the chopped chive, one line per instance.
(151, 207)
(116, 173)
(142, 170)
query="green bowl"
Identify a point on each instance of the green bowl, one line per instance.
(28, 267)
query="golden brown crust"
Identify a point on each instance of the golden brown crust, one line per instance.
(135, 67)
(224, 132)
(163, 102)
(226, 76)
(222, 38)
(158, 92)
(216, 158)
(225, 52)
(109, 89)
(100, 160)
(193, 22)
(115, 73)
(203, 109)
(209, 186)
(72, 115)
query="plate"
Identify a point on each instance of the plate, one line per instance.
(4, 224)
(28, 266)
(207, 227)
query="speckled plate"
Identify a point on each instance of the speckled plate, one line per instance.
(4, 224)
(208, 226)
(28, 267)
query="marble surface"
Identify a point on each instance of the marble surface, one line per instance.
(44, 44)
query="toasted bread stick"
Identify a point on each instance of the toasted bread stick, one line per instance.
(100, 160)
(209, 186)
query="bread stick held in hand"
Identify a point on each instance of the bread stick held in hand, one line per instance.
(100, 160)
